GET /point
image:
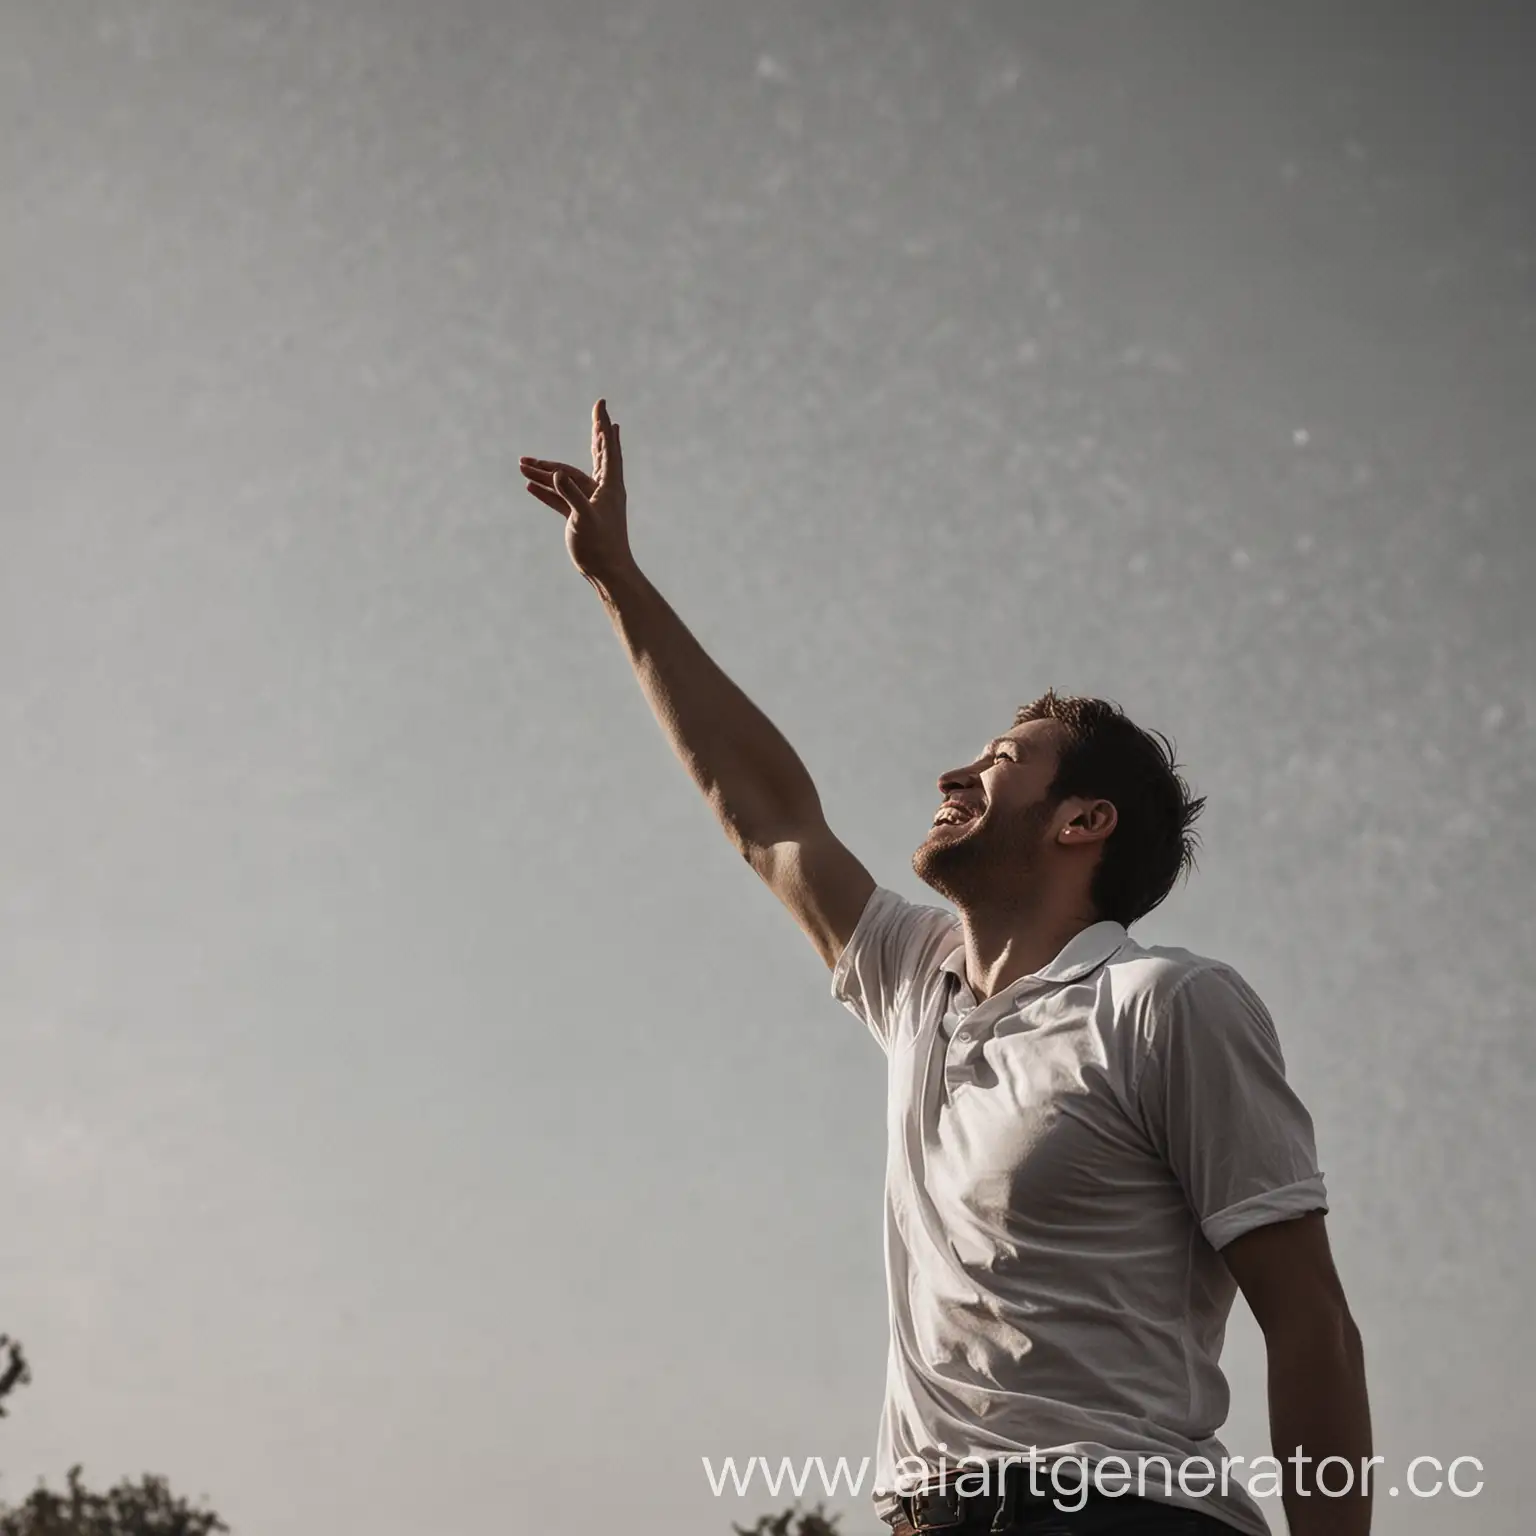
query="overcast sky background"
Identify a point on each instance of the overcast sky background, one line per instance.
(412, 1102)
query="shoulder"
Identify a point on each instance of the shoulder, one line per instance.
(1153, 974)
(912, 936)
(1163, 988)
(895, 942)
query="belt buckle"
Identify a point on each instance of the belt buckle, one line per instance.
(914, 1514)
(935, 1509)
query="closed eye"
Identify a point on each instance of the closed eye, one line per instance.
(1001, 750)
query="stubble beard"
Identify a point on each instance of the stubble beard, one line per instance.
(995, 865)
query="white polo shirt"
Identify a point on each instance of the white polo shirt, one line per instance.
(1065, 1160)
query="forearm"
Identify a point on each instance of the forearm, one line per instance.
(746, 770)
(1318, 1408)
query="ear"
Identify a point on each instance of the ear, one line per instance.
(1088, 821)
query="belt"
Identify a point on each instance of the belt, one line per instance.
(1008, 1505)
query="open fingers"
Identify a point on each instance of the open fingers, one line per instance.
(543, 472)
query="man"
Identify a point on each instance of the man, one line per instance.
(1092, 1144)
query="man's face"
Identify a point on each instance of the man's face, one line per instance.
(996, 849)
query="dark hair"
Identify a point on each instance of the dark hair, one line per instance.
(1104, 755)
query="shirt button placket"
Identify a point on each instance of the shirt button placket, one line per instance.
(961, 1048)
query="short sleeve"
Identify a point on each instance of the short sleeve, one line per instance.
(895, 944)
(1214, 1098)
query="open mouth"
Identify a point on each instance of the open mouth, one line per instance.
(954, 816)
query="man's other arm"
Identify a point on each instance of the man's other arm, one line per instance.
(1317, 1398)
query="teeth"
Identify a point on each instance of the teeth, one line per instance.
(951, 817)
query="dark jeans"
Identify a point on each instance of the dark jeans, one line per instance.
(1101, 1515)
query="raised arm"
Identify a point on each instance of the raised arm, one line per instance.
(754, 782)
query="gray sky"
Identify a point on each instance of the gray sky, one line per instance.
(411, 1097)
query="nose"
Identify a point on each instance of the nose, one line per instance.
(958, 778)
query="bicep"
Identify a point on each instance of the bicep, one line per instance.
(1286, 1272)
(821, 884)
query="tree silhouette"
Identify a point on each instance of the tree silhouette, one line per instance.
(813, 1523)
(15, 1373)
(145, 1508)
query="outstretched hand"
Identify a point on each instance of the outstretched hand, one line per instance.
(593, 506)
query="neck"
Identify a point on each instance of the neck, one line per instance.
(1003, 944)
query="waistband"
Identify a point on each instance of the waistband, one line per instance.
(1006, 1505)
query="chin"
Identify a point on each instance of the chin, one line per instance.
(937, 867)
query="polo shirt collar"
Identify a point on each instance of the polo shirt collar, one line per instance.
(1083, 952)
